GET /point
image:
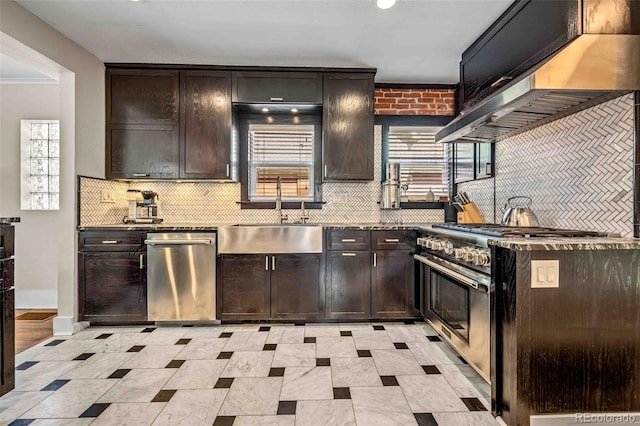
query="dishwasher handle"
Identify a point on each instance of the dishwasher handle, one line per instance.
(178, 242)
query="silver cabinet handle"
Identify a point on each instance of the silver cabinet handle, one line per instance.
(277, 99)
(140, 174)
(266, 263)
(448, 272)
(228, 170)
(273, 263)
(110, 242)
(348, 254)
(375, 260)
(500, 80)
(177, 242)
(391, 240)
(141, 260)
(348, 240)
(325, 170)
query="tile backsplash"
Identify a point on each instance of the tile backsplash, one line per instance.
(217, 202)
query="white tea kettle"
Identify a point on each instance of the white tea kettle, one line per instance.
(519, 213)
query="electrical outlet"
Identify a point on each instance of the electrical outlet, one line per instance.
(545, 273)
(107, 196)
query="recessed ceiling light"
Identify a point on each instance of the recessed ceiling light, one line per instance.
(294, 110)
(265, 109)
(385, 4)
(137, 1)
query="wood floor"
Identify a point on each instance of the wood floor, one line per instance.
(30, 333)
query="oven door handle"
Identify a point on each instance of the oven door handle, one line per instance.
(466, 280)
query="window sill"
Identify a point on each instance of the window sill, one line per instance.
(422, 205)
(286, 205)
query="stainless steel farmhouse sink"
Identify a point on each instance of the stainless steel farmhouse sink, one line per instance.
(270, 239)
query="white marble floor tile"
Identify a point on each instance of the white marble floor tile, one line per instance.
(138, 385)
(349, 326)
(372, 339)
(427, 329)
(249, 364)
(457, 380)
(14, 404)
(381, 406)
(394, 362)
(349, 372)
(430, 393)
(335, 347)
(252, 396)
(241, 327)
(202, 348)
(118, 342)
(41, 374)
(99, 366)
(336, 412)
(31, 353)
(306, 383)
(71, 400)
(132, 414)
(242, 340)
(295, 355)
(197, 374)
(163, 336)
(285, 334)
(156, 356)
(429, 353)
(265, 421)
(67, 350)
(192, 408)
(63, 422)
(405, 333)
(211, 332)
(450, 353)
(475, 418)
(322, 331)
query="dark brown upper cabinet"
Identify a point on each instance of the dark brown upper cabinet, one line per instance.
(347, 149)
(205, 125)
(286, 87)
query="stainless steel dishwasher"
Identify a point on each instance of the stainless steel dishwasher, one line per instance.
(181, 276)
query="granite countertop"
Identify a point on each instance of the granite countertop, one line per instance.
(215, 226)
(9, 220)
(556, 243)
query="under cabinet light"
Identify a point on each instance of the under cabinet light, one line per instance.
(385, 4)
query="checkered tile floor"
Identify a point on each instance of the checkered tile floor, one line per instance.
(317, 374)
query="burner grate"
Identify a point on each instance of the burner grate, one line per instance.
(496, 230)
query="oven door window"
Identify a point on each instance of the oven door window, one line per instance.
(450, 301)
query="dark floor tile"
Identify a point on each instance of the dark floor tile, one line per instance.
(223, 383)
(299, 324)
(84, 356)
(119, 374)
(176, 363)
(464, 361)
(431, 369)
(136, 348)
(224, 420)
(148, 330)
(164, 395)
(425, 419)
(323, 362)
(389, 381)
(287, 407)
(345, 333)
(265, 328)
(104, 336)
(473, 404)
(55, 385)
(378, 327)
(26, 365)
(225, 335)
(54, 343)
(276, 372)
(341, 393)
(95, 410)
(187, 325)
(364, 353)
(409, 322)
(225, 355)
(401, 346)
(309, 340)
(269, 347)
(183, 342)
(22, 422)
(434, 338)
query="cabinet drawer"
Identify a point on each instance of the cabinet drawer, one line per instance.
(6, 273)
(111, 241)
(348, 240)
(394, 240)
(268, 87)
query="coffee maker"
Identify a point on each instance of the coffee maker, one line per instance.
(390, 195)
(143, 207)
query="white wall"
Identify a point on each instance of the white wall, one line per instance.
(82, 126)
(36, 273)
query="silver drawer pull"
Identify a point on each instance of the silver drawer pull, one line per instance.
(140, 174)
(110, 242)
(228, 170)
(276, 99)
(348, 240)
(141, 261)
(500, 80)
(176, 242)
(348, 254)
(266, 263)
(391, 240)
(375, 260)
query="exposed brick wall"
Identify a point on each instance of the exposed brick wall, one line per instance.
(402, 101)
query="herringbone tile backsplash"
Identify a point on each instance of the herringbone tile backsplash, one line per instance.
(578, 170)
(216, 202)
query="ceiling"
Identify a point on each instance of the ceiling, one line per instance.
(416, 41)
(15, 72)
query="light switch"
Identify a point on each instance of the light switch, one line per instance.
(545, 273)
(107, 196)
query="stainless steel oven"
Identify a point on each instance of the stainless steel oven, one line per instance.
(456, 303)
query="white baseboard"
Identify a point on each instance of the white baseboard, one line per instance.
(36, 299)
(66, 326)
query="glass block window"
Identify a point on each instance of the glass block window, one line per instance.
(40, 164)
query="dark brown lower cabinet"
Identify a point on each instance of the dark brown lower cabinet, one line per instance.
(112, 286)
(392, 284)
(348, 284)
(297, 287)
(8, 337)
(244, 287)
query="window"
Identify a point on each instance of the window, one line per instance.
(40, 164)
(424, 164)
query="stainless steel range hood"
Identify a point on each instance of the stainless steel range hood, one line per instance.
(591, 69)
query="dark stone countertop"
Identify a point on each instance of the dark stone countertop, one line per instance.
(9, 220)
(554, 243)
(215, 226)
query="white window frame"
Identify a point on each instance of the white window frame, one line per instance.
(26, 189)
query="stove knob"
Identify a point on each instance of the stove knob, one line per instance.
(458, 253)
(437, 245)
(448, 247)
(421, 241)
(469, 254)
(481, 259)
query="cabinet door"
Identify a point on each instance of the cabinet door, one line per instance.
(297, 287)
(348, 126)
(392, 284)
(205, 148)
(286, 87)
(112, 286)
(348, 284)
(8, 337)
(244, 288)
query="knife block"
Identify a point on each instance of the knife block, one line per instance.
(471, 214)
